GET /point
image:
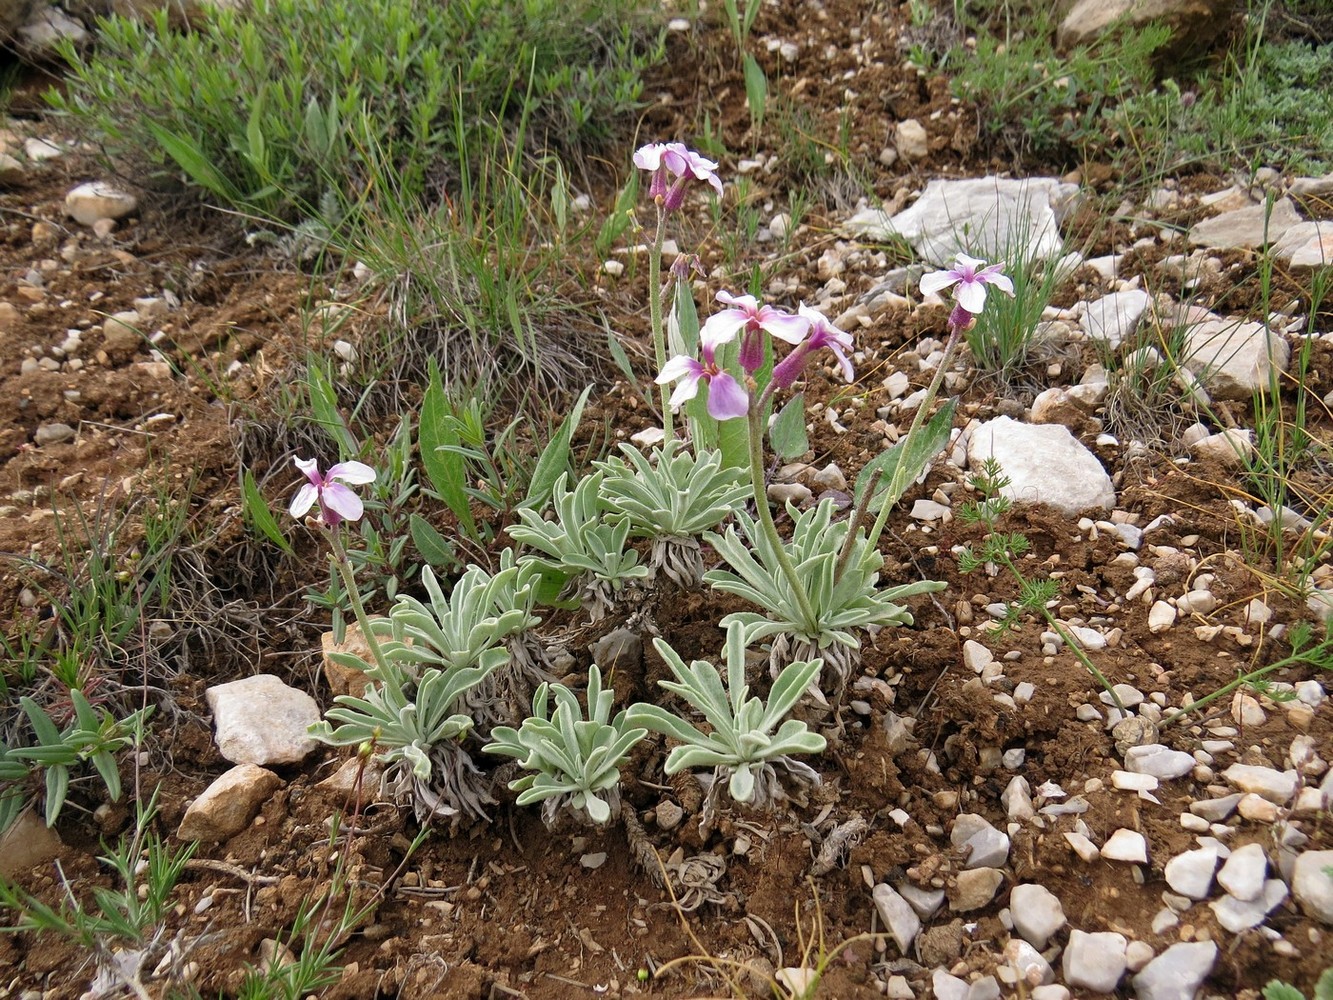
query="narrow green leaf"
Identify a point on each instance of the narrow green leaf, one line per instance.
(929, 441)
(324, 405)
(787, 435)
(554, 459)
(198, 167)
(434, 547)
(445, 468)
(756, 89)
(257, 512)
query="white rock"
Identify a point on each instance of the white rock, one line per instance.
(1230, 448)
(1245, 710)
(1238, 915)
(1191, 874)
(649, 437)
(989, 215)
(983, 845)
(1216, 810)
(793, 493)
(1177, 973)
(911, 140)
(929, 510)
(898, 916)
(1126, 845)
(98, 200)
(1028, 962)
(1036, 912)
(227, 806)
(1247, 227)
(1113, 319)
(1313, 888)
(976, 657)
(38, 36)
(1045, 464)
(1310, 693)
(1161, 616)
(1055, 991)
(1081, 845)
(947, 987)
(830, 478)
(260, 720)
(1233, 358)
(1159, 761)
(1129, 696)
(1094, 961)
(1243, 873)
(1276, 786)
(925, 902)
(779, 225)
(1017, 799)
(1131, 782)
(1306, 244)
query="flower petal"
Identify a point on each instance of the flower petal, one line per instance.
(678, 367)
(848, 373)
(938, 281)
(992, 276)
(721, 328)
(310, 466)
(687, 390)
(649, 157)
(783, 325)
(746, 302)
(971, 295)
(726, 399)
(973, 264)
(356, 473)
(304, 500)
(342, 501)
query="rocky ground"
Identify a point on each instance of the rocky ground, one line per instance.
(988, 823)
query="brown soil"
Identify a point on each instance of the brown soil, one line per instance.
(510, 909)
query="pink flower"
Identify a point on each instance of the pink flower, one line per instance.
(971, 276)
(674, 159)
(822, 334)
(726, 399)
(336, 502)
(748, 318)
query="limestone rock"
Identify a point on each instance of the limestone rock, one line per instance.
(88, 203)
(1176, 973)
(984, 217)
(1233, 359)
(1112, 319)
(1045, 464)
(1193, 22)
(911, 140)
(27, 843)
(227, 806)
(975, 888)
(898, 916)
(342, 679)
(1312, 887)
(1095, 961)
(984, 846)
(1248, 227)
(1036, 912)
(260, 720)
(1306, 244)
(46, 25)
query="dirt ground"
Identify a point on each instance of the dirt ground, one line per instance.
(508, 908)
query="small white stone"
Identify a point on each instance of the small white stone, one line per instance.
(898, 916)
(976, 656)
(1191, 874)
(983, 845)
(1082, 846)
(1245, 710)
(1238, 915)
(1160, 761)
(1027, 961)
(1177, 973)
(1276, 786)
(1137, 955)
(98, 200)
(1313, 888)
(1161, 616)
(614, 268)
(649, 437)
(1216, 810)
(1094, 961)
(1243, 874)
(1126, 845)
(1129, 781)
(1036, 912)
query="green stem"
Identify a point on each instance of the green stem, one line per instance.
(358, 609)
(894, 491)
(655, 315)
(1244, 679)
(756, 440)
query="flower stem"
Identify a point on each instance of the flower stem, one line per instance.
(756, 439)
(655, 314)
(344, 565)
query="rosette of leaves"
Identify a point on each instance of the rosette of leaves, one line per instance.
(841, 603)
(416, 730)
(584, 543)
(469, 627)
(746, 745)
(91, 736)
(575, 761)
(529, 664)
(673, 501)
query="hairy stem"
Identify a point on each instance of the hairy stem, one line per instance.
(344, 565)
(655, 315)
(756, 442)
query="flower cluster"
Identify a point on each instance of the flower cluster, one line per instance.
(673, 166)
(807, 330)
